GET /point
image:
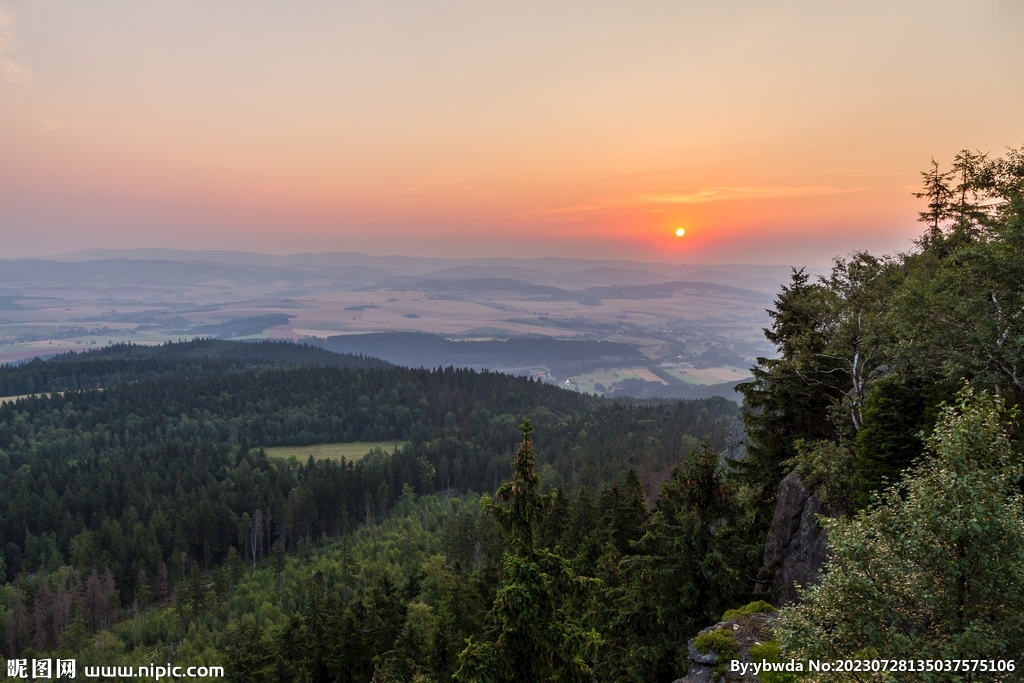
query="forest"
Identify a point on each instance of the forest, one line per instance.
(527, 533)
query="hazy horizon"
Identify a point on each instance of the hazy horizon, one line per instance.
(169, 253)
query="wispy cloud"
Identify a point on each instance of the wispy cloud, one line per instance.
(566, 210)
(724, 194)
(50, 124)
(10, 70)
(576, 212)
(272, 187)
(700, 196)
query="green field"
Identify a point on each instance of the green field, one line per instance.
(12, 399)
(689, 376)
(610, 376)
(333, 451)
(715, 375)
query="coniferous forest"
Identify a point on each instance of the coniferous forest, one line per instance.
(528, 533)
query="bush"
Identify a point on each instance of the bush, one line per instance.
(935, 567)
(770, 652)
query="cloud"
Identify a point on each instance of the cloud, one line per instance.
(272, 187)
(50, 124)
(723, 194)
(10, 69)
(578, 208)
(701, 196)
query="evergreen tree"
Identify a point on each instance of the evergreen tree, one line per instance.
(532, 635)
(250, 655)
(688, 568)
(790, 396)
(193, 596)
(624, 513)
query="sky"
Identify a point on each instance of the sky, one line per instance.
(782, 132)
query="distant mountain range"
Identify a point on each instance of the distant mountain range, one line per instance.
(355, 269)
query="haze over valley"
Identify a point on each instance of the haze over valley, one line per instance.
(664, 330)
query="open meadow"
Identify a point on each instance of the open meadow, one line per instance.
(351, 451)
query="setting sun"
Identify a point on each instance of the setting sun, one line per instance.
(680, 232)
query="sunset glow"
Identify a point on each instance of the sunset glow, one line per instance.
(775, 133)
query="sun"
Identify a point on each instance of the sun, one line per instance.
(680, 232)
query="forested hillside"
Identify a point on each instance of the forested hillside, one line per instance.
(867, 355)
(119, 363)
(124, 495)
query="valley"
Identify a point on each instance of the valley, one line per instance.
(701, 325)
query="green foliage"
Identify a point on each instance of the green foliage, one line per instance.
(934, 570)
(533, 633)
(783, 403)
(756, 607)
(720, 641)
(199, 358)
(250, 654)
(686, 568)
(771, 652)
(135, 475)
(831, 469)
(524, 507)
(868, 352)
(897, 413)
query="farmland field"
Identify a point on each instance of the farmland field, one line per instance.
(536, 317)
(608, 377)
(14, 399)
(710, 375)
(610, 380)
(332, 451)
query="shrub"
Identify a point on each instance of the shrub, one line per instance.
(935, 567)
(770, 652)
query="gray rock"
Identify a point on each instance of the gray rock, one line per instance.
(747, 631)
(709, 658)
(698, 673)
(797, 546)
(736, 441)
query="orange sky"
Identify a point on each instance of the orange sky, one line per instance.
(781, 132)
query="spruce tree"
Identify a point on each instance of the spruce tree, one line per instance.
(790, 396)
(685, 572)
(534, 635)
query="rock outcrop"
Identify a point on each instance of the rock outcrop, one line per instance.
(736, 440)
(745, 633)
(797, 546)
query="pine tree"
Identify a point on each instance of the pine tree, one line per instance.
(250, 655)
(193, 595)
(280, 561)
(626, 513)
(236, 568)
(790, 396)
(533, 635)
(940, 198)
(684, 574)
